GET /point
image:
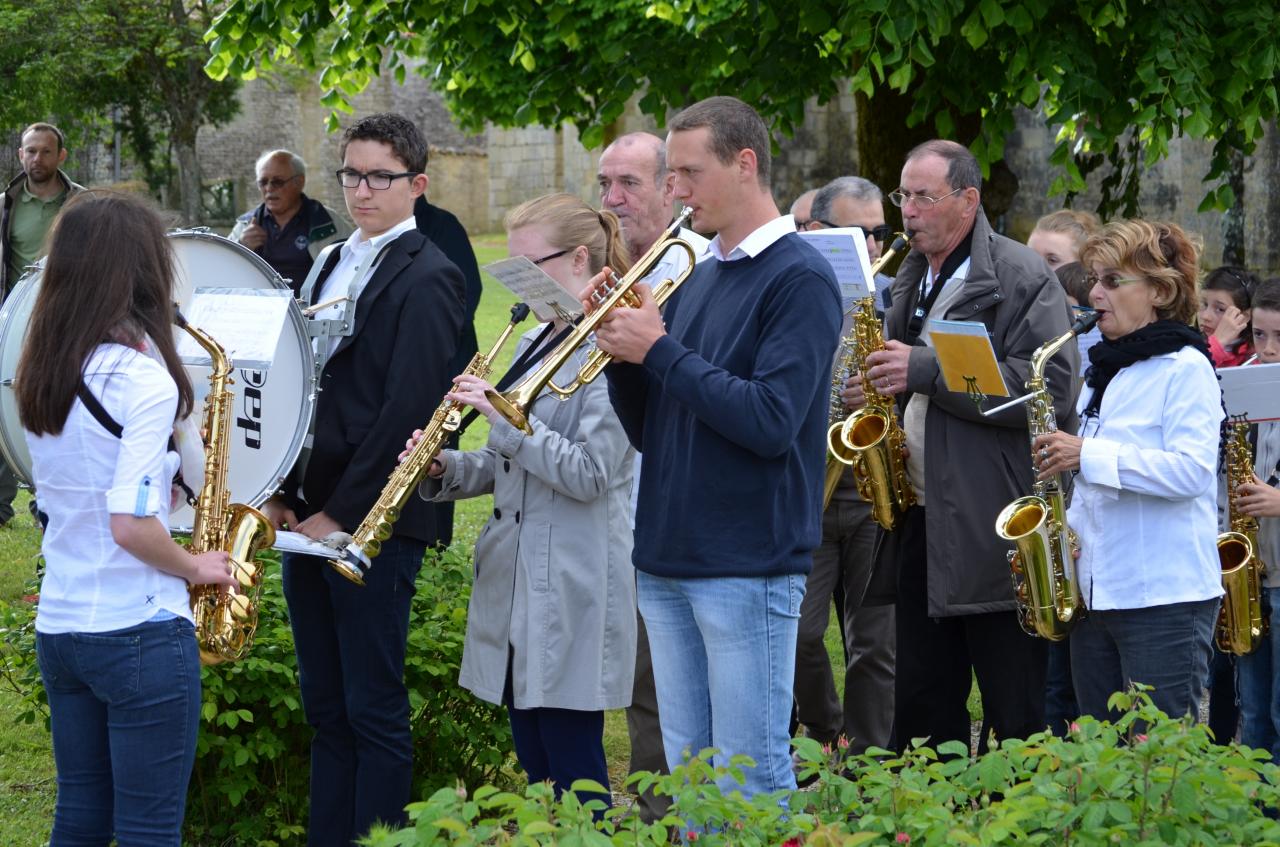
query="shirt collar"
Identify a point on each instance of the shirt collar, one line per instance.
(28, 197)
(358, 243)
(755, 243)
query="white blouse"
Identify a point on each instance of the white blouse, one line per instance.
(84, 475)
(1144, 504)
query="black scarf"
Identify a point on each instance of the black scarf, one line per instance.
(1110, 355)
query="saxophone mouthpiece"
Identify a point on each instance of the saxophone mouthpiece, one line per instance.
(1085, 322)
(179, 319)
(519, 312)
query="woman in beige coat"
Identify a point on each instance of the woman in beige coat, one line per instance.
(551, 627)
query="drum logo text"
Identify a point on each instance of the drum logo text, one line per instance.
(250, 419)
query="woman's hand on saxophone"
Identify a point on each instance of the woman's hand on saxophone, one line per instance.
(1055, 453)
(470, 390)
(1257, 499)
(213, 568)
(436, 469)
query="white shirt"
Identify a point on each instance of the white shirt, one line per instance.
(1266, 463)
(356, 264)
(755, 243)
(84, 475)
(913, 417)
(1144, 504)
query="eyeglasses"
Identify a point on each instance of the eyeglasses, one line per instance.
(880, 233)
(377, 181)
(551, 256)
(1110, 281)
(275, 181)
(900, 198)
(800, 225)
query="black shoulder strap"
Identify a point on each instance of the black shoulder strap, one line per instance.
(100, 414)
(111, 425)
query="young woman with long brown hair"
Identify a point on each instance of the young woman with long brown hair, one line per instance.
(99, 389)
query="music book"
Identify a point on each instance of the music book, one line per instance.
(545, 297)
(296, 542)
(845, 249)
(967, 359)
(1252, 391)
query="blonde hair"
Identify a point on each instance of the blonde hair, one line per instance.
(1078, 226)
(1162, 253)
(570, 223)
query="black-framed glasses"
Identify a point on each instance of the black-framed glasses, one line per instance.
(801, 225)
(551, 256)
(1110, 281)
(900, 198)
(377, 181)
(880, 233)
(275, 181)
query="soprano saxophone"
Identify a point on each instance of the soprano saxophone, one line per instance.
(1241, 624)
(870, 439)
(355, 558)
(225, 622)
(1043, 564)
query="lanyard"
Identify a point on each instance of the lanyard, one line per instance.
(532, 354)
(925, 303)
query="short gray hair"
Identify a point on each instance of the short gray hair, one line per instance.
(299, 166)
(853, 187)
(963, 170)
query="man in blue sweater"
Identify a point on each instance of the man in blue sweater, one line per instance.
(728, 403)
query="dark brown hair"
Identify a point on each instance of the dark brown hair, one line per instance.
(41, 126)
(734, 127)
(397, 132)
(1267, 295)
(85, 301)
(1075, 281)
(1235, 281)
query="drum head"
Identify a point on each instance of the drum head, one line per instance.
(272, 408)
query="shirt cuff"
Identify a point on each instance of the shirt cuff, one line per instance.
(431, 488)
(1100, 462)
(141, 500)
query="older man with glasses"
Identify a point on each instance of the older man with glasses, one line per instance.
(288, 229)
(956, 614)
(842, 564)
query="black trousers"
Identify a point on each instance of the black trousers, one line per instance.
(938, 658)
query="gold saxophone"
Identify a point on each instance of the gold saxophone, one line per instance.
(514, 404)
(1241, 624)
(1043, 565)
(870, 438)
(355, 558)
(225, 622)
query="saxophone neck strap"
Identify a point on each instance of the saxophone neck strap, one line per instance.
(541, 346)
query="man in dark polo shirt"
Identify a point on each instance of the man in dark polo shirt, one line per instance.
(288, 229)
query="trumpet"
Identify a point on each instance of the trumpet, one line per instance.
(514, 404)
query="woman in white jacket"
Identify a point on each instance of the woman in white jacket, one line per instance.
(1146, 459)
(551, 626)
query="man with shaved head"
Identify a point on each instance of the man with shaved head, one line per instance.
(802, 209)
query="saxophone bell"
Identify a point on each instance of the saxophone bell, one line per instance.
(1241, 623)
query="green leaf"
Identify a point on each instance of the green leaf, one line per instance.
(974, 32)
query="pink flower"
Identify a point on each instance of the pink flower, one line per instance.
(1074, 727)
(1140, 737)
(902, 838)
(843, 743)
(792, 842)
(691, 836)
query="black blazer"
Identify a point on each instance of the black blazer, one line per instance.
(448, 233)
(382, 382)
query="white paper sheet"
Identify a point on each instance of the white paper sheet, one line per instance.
(845, 248)
(1252, 391)
(547, 298)
(247, 322)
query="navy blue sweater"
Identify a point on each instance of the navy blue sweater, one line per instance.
(730, 412)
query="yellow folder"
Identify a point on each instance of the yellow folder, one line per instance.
(967, 359)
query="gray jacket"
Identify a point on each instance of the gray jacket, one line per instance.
(553, 575)
(976, 465)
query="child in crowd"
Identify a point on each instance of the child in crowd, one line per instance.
(1224, 315)
(1259, 685)
(1058, 237)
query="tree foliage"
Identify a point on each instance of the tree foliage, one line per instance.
(137, 64)
(1118, 78)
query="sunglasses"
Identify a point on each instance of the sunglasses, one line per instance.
(1110, 281)
(880, 233)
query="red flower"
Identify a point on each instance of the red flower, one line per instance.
(794, 841)
(691, 836)
(902, 838)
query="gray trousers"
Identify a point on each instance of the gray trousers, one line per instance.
(843, 561)
(8, 491)
(647, 753)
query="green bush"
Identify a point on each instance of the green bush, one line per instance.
(1144, 780)
(250, 780)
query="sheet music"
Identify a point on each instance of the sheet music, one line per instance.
(247, 322)
(296, 542)
(845, 248)
(1252, 391)
(546, 298)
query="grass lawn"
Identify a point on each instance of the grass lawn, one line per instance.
(26, 758)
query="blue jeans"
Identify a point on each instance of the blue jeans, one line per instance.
(350, 642)
(1163, 646)
(124, 708)
(1260, 687)
(724, 654)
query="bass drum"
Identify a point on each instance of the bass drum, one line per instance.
(272, 407)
